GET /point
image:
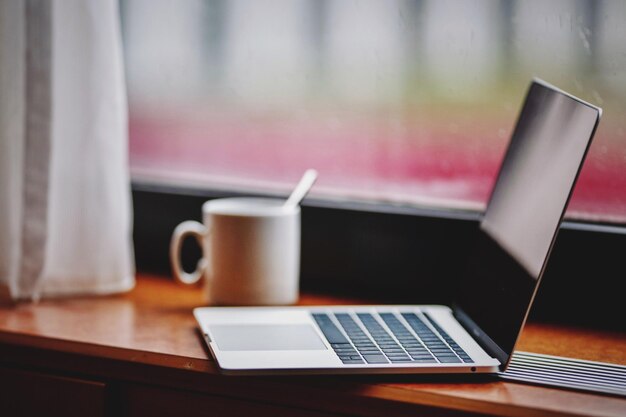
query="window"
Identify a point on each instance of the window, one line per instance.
(406, 102)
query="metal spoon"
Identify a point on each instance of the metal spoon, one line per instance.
(301, 190)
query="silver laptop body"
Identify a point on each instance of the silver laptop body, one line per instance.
(477, 334)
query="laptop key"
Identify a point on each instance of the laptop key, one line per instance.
(398, 360)
(422, 357)
(420, 354)
(394, 357)
(369, 351)
(442, 357)
(457, 349)
(448, 359)
(419, 351)
(332, 333)
(353, 361)
(394, 350)
(416, 350)
(367, 347)
(375, 358)
(442, 351)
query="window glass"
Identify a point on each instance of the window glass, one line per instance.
(409, 102)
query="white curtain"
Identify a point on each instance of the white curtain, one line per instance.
(65, 215)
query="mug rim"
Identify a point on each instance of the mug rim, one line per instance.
(265, 207)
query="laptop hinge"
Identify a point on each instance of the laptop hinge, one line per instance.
(485, 342)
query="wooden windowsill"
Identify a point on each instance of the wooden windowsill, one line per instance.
(149, 336)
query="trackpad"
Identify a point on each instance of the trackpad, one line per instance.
(266, 337)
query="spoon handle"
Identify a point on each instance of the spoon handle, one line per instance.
(303, 187)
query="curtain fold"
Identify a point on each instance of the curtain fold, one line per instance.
(65, 219)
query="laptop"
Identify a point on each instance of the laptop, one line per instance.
(475, 334)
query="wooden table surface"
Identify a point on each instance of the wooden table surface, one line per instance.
(152, 326)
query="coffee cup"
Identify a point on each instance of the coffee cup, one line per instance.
(250, 251)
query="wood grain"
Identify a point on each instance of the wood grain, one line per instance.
(150, 336)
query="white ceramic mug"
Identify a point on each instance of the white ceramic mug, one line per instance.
(251, 251)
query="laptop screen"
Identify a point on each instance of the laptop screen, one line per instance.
(516, 234)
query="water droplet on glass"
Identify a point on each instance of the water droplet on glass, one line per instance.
(585, 39)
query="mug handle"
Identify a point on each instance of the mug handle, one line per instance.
(199, 231)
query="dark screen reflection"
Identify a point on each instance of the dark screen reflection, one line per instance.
(523, 215)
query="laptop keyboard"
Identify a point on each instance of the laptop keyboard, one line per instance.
(361, 338)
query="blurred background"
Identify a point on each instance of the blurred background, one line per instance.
(409, 102)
